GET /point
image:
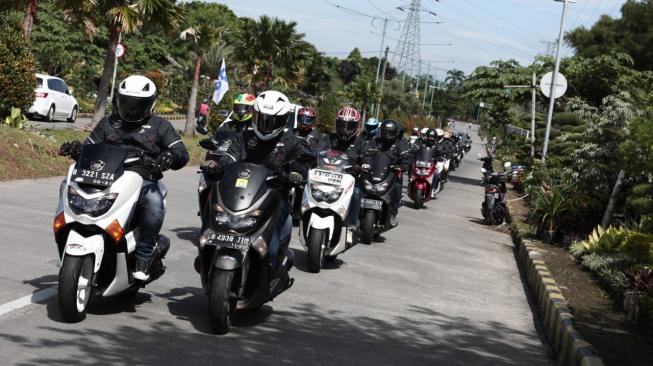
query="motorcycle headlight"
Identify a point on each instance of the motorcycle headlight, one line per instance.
(92, 207)
(241, 223)
(330, 197)
(381, 186)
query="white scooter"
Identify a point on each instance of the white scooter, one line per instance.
(325, 205)
(94, 229)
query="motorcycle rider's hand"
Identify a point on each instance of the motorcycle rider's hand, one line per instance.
(164, 161)
(71, 148)
(212, 170)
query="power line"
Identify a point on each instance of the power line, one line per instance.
(595, 9)
(508, 22)
(379, 9)
(581, 12)
(615, 6)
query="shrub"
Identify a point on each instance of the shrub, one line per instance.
(605, 240)
(638, 245)
(577, 249)
(640, 279)
(608, 271)
(547, 207)
(17, 79)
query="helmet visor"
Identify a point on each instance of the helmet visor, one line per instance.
(306, 120)
(134, 109)
(371, 128)
(266, 123)
(346, 128)
(389, 133)
(243, 112)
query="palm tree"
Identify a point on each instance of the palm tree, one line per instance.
(275, 52)
(203, 38)
(71, 7)
(455, 77)
(126, 16)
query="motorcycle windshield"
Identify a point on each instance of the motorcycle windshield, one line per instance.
(242, 185)
(333, 160)
(424, 156)
(380, 166)
(99, 164)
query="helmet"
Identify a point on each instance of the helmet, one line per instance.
(439, 133)
(389, 130)
(135, 99)
(371, 127)
(347, 123)
(431, 136)
(415, 131)
(425, 130)
(271, 110)
(447, 135)
(205, 100)
(242, 108)
(306, 119)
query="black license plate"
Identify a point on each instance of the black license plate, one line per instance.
(87, 176)
(230, 241)
(372, 204)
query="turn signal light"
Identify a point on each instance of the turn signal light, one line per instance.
(59, 222)
(115, 231)
(41, 95)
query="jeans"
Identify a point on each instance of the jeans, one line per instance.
(354, 208)
(150, 211)
(395, 197)
(275, 240)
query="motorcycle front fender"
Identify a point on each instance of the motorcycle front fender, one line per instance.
(79, 246)
(321, 223)
(228, 260)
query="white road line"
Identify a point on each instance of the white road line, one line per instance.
(27, 300)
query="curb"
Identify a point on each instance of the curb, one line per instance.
(164, 116)
(557, 320)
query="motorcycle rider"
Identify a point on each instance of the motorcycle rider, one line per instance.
(347, 139)
(270, 144)
(306, 118)
(240, 117)
(371, 128)
(390, 144)
(414, 136)
(202, 116)
(134, 127)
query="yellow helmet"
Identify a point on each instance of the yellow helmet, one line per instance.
(243, 107)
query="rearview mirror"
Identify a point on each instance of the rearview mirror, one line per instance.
(507, 164)
(209, 144)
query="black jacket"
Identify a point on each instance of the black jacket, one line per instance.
(153, 138)
(352, 147)
(314, 140)
(400, 153)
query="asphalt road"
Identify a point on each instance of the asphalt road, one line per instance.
(442, 289)
(82, 123)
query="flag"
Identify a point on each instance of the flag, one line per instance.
(221, 85)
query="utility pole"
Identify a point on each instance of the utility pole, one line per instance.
(431, 105)
(408, 45)
(115, 68)
(385, 64)
(533, 88)
(378, 66)
(428, 71)
(554, 77)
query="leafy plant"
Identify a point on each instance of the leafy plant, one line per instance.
(640, 279)
(16, 119)
(577, 249)
(17, 77)
(547, 207)
(638, 245)
(605, 240)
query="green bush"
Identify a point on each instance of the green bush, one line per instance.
(547, 207)
(608, 269)
(605, 240)
(17, 79)
(639, 246)
(577, 249)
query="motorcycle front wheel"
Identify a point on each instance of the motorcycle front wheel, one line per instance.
(222, 305)
(368, 227)
(75, 280)
(418, 199)
(316, 244)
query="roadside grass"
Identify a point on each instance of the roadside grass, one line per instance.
(32, 154)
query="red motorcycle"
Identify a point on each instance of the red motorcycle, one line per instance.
(422, 172)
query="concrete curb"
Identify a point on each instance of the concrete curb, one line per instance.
(558, 322)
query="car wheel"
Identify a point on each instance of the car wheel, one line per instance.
(50, 116)
(73, 115)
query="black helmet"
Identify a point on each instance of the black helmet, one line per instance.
(389, 130)
(431, 136)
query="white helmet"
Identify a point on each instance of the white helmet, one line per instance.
(135, 99)
(271, 110)
(424, 130)
(439, 133)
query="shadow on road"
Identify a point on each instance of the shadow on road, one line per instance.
(300, 336)
(464, 180)
(43, 282)
(191, 234)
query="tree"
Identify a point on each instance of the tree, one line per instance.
(126, 16)
(203, 37)
(455, 78)
(275, 52)
(17, 78)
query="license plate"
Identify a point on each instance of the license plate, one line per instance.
(325, 176)
(86, 176)
(230, 241)
(372, 204)
(496, 195)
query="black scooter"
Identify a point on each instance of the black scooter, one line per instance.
(239, 215)
(378, 186)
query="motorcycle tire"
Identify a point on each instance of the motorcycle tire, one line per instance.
(368, 227)
(73, 299)
(221, 304)
(418, 199)
(316, 244)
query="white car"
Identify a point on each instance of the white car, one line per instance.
(53, 100)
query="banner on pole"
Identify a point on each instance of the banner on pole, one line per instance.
(221, 85)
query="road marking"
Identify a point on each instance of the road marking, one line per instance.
(27, 300)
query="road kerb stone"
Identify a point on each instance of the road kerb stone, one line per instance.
(558, 322)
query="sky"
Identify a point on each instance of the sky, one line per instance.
(472, 33)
